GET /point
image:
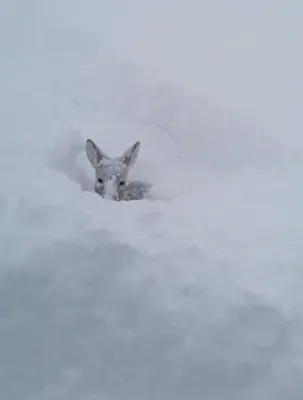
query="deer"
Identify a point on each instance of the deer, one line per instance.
(111, 173)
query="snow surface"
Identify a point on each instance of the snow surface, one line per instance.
(196, 294)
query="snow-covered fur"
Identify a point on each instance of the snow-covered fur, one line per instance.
(111, 174)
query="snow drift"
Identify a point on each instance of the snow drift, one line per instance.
(195, 294)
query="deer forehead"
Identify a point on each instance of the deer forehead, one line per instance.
(111, 168)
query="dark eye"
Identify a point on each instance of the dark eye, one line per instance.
(122, 183)
(100, 180)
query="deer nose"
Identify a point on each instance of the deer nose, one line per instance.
(110, 191)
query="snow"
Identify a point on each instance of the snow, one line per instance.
(194, 294)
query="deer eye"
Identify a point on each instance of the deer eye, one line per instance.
(100, 180)
(122, 183)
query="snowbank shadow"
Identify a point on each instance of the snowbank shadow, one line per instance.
(74, 326)
(67, 156)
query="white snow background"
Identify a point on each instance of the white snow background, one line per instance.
(196, 294)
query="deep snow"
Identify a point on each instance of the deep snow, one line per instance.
(194, 295)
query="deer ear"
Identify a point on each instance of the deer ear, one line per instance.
(94, 154)
(129, 157)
